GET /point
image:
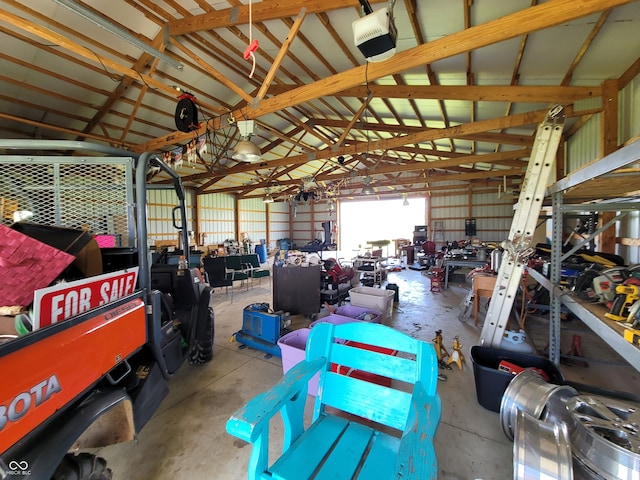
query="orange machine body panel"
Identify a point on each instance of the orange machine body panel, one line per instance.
(44, 375)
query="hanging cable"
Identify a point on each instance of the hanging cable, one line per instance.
(253, 44)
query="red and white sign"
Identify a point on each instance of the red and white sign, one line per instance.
(65, 300)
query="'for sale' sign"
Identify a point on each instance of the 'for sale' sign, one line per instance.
(65, 300)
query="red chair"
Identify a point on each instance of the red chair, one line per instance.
(429, 248)
(436, 275)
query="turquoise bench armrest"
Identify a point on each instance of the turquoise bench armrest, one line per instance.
(416, 455)
(248, 422)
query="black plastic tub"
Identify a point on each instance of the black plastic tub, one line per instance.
(491, 382)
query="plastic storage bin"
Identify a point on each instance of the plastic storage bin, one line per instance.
(492, 382)
(293, 347)
(359, 313)
(334, 319)
(377, 298)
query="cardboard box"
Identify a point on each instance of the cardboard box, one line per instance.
(7, 326)
(89, 260)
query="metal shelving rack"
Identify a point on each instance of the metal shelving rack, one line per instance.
(622, 197)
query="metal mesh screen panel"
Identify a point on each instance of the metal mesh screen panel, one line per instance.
(92, 194)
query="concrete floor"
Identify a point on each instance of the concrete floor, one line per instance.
(186, 438)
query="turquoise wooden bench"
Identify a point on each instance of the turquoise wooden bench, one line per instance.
(359, 429)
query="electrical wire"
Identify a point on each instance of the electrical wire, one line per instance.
(253, 57)
(366, 110)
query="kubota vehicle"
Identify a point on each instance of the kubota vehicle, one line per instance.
(95, 363)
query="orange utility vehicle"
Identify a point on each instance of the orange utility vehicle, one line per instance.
(96, 377)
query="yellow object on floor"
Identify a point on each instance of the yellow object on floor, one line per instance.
(457, 356)
(441, 351)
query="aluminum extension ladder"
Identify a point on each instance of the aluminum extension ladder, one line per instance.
(517, 248)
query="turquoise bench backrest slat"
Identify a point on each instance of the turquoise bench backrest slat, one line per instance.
(389, 376)
(377, 403)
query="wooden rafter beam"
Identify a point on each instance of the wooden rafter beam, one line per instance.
(124, 83)
(528, 118)
(261, 12)
(212, 71)
(353, 121)
(64, 42)
(54, 128)
(293, 31)
(629, 74)
(585, 46)
(417, 179)
(519, 23)
(486, 93)
(504, 138)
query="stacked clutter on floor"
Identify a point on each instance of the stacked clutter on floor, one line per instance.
(579, 435)
(376, 298)
(293, 344)
(575, 435)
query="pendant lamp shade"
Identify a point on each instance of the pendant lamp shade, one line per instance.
(246, 151)
(368, 190)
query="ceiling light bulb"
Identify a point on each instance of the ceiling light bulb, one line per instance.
(246, 151)
(268, 198)
(367, 190)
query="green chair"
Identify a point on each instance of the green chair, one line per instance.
(254, 269)
(237, 269)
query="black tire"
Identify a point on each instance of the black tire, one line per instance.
(82, 466)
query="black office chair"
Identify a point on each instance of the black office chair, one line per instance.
(217, 276)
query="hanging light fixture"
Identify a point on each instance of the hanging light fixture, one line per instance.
(405, 202)
(367, 190)
(246, 150)
(268, 198)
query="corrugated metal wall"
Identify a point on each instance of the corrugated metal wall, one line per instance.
(629, 127)
(584, 147)
(307, 223)
(629, 108)
(160, 204)
(279, 214)
(216, 217)
(492, 215)
(301, 225)
(253, 220)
